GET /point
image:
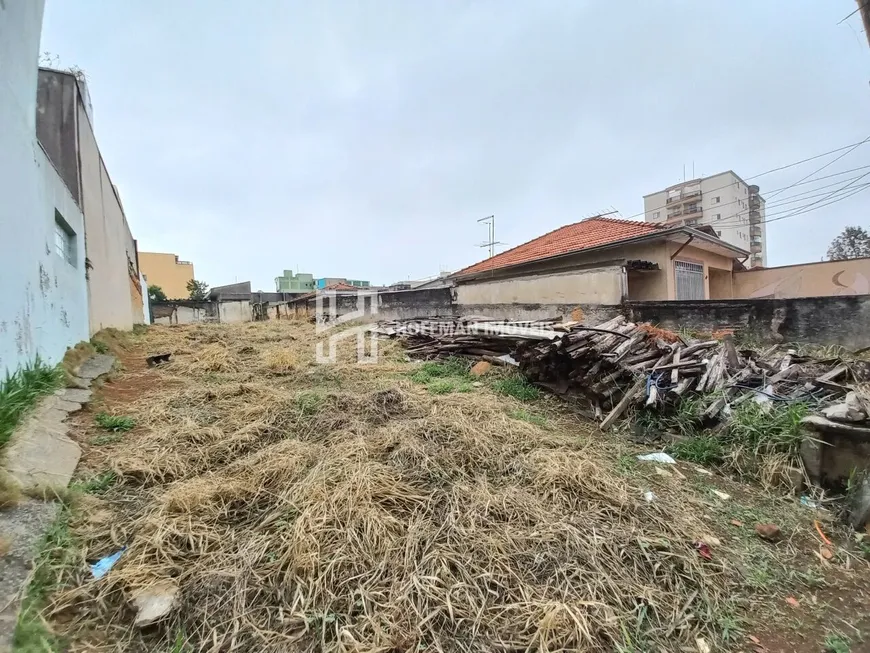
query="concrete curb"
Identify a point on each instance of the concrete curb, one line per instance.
(39, 455)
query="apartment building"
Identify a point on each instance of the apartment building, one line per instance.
(733, 208)
(301, 282)
(168, 272)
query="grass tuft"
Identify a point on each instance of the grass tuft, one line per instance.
(525, 416)
(96, 484)
(20, 391)
(114, 423)
(701, 449)
(444, 377)
(57, 559)
(518, 387)
(836, 643)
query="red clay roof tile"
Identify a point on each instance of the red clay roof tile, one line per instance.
(591, 232)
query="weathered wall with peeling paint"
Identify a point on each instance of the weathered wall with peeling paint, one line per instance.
(44, 298)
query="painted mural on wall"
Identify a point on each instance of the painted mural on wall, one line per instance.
(813, 280)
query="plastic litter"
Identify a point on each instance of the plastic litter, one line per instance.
(657, 457)
(809, 503)
(649, 496)
(102, 566)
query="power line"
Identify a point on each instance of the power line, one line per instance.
(850, 148)
(832, 193)
(860, 7)
(789, 213)
(849, 151)
(787, 198)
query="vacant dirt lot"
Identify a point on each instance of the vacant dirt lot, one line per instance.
(410, 507)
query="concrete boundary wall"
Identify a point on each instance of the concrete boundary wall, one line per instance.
(839, 320)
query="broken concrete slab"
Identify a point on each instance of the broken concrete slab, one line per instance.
(41, 454)
(96, 366)
(24, 526)
(77, 395)
(61, 404)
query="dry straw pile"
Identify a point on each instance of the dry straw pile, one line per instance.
(308, 508)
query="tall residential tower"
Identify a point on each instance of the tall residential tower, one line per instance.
(733, 208)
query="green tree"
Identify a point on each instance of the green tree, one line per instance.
(854, 242)
(198, 290)
(156, 294)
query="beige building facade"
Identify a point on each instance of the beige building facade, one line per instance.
(168, 272)
(724, 202)
(827, 278)
(64, 127)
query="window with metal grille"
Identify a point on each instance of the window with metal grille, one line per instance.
(690, 280)
(64, 239)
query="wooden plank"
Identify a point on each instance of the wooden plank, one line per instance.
(675, 374)
(624, 403)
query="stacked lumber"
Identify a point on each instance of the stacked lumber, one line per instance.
(612, 366)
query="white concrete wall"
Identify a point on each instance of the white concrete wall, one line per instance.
(603, 285)
(235, 311)
(44, 303)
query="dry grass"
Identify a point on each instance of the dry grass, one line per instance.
(345, 508)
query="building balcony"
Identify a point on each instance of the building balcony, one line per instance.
(755, 231)
(683, 197)
(755, 248)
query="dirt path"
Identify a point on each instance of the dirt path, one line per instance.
(398, 507)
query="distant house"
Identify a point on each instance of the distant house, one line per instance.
(605, 261)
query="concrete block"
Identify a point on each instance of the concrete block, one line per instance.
(41, 456)
(60, 404)
(77, 395)
(811, 455)
(96, 366)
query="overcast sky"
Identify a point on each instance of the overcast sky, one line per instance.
(364, 139)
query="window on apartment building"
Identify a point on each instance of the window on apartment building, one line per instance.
(64, 239)
(718, 216)
(717, 199)
(689, 279)
(719, 234)
(656, 215)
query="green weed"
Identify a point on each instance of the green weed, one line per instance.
(20, 391)
(518, 387)
(107, 438)
(701, 449)
(99, 346)
(449, 367)
(114, 423)
(57, 558)
(96, 484)
(836, 643)
(309, 403)
(448, 385)
(525, 416)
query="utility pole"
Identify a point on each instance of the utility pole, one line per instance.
(491, 241)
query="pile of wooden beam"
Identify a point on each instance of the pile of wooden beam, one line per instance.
(611, 366)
